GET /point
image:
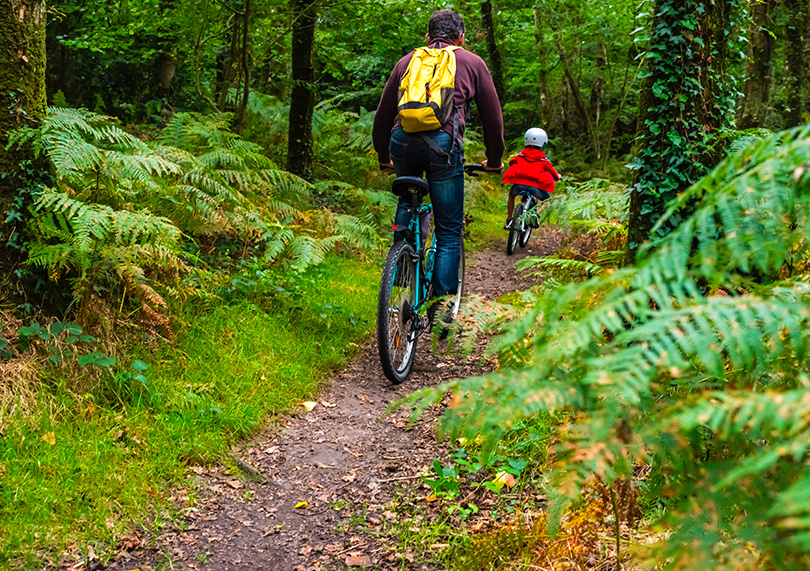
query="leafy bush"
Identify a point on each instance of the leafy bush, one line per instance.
(130, 218)
(692, 363)
(342, 139)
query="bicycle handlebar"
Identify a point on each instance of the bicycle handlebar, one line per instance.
(474, 168)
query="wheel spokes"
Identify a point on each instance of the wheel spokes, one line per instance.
(399, 314)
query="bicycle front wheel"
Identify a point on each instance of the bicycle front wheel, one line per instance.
(396, 317)
(515, 230)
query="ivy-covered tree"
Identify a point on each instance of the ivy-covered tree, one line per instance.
(22, 103)
(685, 102)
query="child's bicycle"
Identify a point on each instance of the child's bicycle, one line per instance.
(522, 222)
(406, 286)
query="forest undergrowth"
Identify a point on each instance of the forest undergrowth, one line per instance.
(671, 394)
(188, 264)
(203, 292)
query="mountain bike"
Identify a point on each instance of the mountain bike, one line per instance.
(406, 289)
(522, 224)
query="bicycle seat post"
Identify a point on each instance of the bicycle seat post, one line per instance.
(415, 197)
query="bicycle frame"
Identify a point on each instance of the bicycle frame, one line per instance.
(529, 201)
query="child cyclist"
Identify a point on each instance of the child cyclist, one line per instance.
(530, 171)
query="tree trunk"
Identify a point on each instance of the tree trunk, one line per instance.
(566, 108)
(758, 67)
(579, 101)
(167, 46)
(227, 65)
(239, 123)
(302, 102)
(681, 105)
(23, 103)
(167, 68)
(794, 60)
(598, 85)
(542, 54)
(495, 65)
(807, 53)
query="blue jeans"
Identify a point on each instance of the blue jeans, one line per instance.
(412, 156)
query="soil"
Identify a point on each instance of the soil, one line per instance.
(298, 486)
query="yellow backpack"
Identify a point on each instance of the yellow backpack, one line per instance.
(426, 90)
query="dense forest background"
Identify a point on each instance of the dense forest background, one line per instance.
(570, 66)
(169, 168)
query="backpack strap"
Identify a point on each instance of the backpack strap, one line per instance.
(431, 143)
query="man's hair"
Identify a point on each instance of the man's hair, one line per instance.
(446, 24)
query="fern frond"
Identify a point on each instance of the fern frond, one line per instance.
(655, 368)
(560, 264)
(306, 251)
(354, 231)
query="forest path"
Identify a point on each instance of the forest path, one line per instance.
(339, 458)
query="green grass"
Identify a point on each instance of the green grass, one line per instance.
(114, 456)
(439, 531)
(486, 201)
(86, 466)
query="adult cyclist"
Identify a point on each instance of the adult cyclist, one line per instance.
(439, 154)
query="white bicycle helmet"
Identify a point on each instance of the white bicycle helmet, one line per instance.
(535, 137)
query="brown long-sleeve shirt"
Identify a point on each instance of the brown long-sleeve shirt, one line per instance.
(473, 83)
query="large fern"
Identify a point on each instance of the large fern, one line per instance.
(693, 362)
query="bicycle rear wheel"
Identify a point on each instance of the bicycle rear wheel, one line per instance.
(396, 317)
(527, 226)
(515, 230)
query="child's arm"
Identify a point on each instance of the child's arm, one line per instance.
(554, 173)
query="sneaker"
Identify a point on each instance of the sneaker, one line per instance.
(508, 225)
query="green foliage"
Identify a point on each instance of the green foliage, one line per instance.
(692, 362)
(559, 265)
(591, 214)
(124, 210)
(89, 239)
(61, 342)
(342, 139)
(687, 101)
(98, 453)
(588, 202)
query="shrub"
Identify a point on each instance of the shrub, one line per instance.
(693, 363)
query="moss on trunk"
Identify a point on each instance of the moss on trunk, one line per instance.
(22, 102)
(683, 100)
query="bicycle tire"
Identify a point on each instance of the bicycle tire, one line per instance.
(526, 228)
(514, 231)
(395, 316)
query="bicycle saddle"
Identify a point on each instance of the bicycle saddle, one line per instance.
(403, 184)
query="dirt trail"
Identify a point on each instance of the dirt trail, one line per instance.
(337, 458)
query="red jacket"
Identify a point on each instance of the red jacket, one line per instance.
(531, 168)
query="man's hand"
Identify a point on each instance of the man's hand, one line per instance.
(488, 168)
(387, 168)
